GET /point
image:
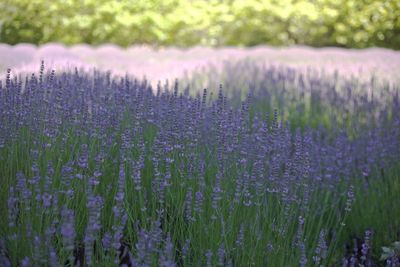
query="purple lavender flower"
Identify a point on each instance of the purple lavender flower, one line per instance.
(12, 208)
(4, 260)
(209, 255)
(216, 194)
(136, 174)
(221, 255)
(188, 205)
(350, 198)
(84, 157)
(303, 255)
(25, 262)
(106, 241)
(94, 205)
(68, 231)
(365, 248)
(23, 190)
(186, 249)
(321, 249)
(167, 257)
(198, 205)
(240, 237)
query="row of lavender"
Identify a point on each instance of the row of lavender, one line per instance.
(100, 171)
(304, 96)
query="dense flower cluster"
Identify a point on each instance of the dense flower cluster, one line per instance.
(108, 170)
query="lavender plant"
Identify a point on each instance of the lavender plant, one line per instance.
(99, 170)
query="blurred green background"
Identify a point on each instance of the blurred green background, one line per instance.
(344, 23)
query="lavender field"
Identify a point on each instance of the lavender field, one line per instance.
(201, 157)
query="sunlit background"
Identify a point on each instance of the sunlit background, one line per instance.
(344, 23)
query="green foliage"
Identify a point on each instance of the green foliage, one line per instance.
(391, 252)
(353, 23)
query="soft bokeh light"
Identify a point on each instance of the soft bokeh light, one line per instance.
(345, 23)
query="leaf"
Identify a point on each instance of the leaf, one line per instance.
(387, 253)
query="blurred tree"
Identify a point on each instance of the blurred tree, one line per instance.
(346, 23)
